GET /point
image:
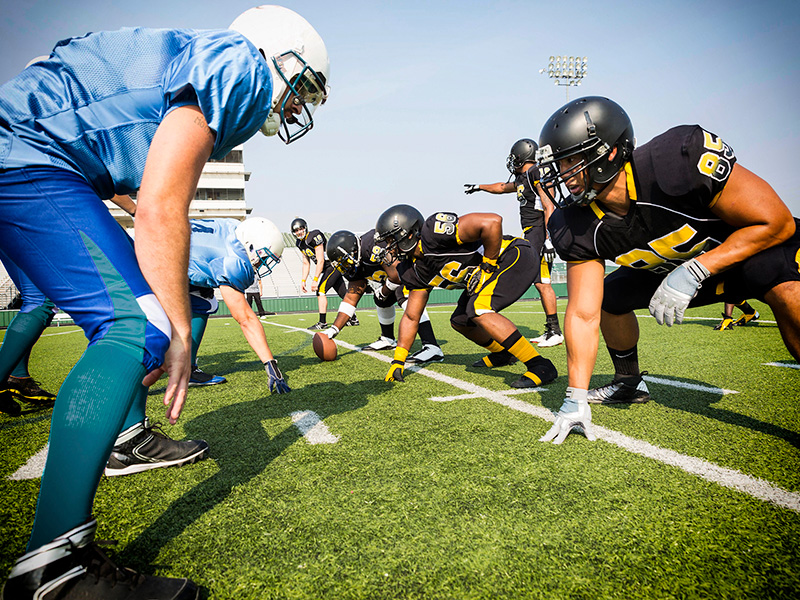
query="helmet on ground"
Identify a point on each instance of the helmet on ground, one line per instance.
(263, 242)
(298, 61)
(399, 227)
(590, 129)
(523, 151)
(344, 252)
(299, 224)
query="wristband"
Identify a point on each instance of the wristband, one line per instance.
(400, 355)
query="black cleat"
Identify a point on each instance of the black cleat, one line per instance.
(543, 371)
(27, 390)
(8, 405)
(200, 378)
(72, 567)
(141, 448)
(319, 326)
(496, 359)
(623, 390)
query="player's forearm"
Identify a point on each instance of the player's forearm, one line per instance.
(582, 336)
(744, 243)
(253, 332)
(164, 262)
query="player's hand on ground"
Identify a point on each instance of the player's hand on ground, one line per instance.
(178, 367)
(331, 331)
(395, 372)
(276, 381)
(672, 297)
(471, 188)
(574, 414)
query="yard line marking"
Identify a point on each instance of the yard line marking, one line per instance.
(730, 478)
(312, 427)
(33, 468)
(62, 333)
(689, 386)
(468, 396)
(777, 364)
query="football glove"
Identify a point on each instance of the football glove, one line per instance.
(471, 188)
(398, 364)
(276, 381)
(380, 295)
(676, 291)
(331, 331)
(573, 414)
(549, 252)
(480, 275)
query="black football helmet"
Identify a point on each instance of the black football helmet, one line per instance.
(399, 228)
(522, 151)
(590, 128)
(298, 224)
(344, 252)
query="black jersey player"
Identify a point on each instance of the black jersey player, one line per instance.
(534, 211)
(687, 224)
(358, 259)
(312, 248)
(444, 252)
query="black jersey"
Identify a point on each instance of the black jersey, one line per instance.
(445, 260)
(673, 181)
(531, 211)
(309, 243)
(370, 266)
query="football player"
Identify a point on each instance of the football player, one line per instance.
(35, 314)
(443, 251)
(312, 248)
(687, 224)
(227, 255)
(358, 259)
(135, 109)
(534, 212)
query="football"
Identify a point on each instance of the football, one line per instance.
(324, 347)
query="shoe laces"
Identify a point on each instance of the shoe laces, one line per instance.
(158, 426)
(101, 567)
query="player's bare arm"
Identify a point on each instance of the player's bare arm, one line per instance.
(252, 328)
(354, 293)
(320, 253)
(409, 323)
(126, 203)
(175, 160)
(582, 319)
(763, 220)
(486, 227)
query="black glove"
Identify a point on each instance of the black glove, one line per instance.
(471, 188)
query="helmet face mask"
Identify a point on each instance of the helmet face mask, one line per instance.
(263, 243)
(523, 151)
(344, 252)
(594, 137)
(298, 62)
(299, 226)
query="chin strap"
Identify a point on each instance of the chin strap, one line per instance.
(272, 125)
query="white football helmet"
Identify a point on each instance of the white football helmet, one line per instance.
(298, 61)
(263, 242)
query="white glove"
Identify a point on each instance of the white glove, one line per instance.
(471, 188)
(574, 413)
(549, 252)
(331, 331)
(676, 291)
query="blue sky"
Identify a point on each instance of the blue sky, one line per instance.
(427, 96)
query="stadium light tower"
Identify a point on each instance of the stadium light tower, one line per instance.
(566, 70)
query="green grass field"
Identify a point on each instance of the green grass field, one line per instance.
(438, 488)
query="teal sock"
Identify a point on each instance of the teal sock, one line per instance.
(22, 333)
(92, 404)
(137, 412)
(198, 330)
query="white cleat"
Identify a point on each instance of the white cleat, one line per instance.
(429, 353)
(382, 343)
(550, 338)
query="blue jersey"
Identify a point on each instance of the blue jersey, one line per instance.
(94, 105)
(216, 257)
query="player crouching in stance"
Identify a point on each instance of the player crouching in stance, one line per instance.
(687, 225)
(359, 260)
(443, 252)
(162, 102)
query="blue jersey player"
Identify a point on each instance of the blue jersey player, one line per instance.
(110, 113)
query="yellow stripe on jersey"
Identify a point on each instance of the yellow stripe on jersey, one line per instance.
(714, 201)
(483, 303)
(720, 289)
(631, 183)
(597, 210)
(797, 260)
(458, 239)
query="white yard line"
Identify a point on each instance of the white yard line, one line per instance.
(777, 364)
(312, 427)
(730, 478)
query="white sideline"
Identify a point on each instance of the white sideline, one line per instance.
(777, 364)
(730, 478)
